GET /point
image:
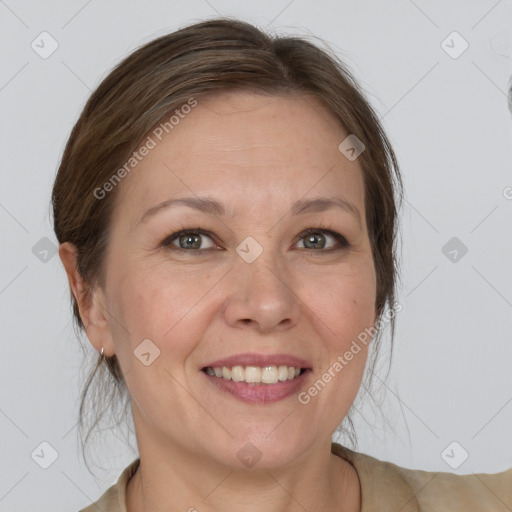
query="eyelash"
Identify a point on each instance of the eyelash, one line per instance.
(167, 242)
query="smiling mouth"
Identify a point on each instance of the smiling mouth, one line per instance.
(255, 374)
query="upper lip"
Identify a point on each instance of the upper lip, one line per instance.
(251, 359)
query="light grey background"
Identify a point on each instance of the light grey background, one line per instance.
(449, 123)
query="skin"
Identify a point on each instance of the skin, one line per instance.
(258, 155)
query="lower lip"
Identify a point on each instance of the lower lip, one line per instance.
(259, 393)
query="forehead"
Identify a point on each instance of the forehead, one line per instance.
(242, 145)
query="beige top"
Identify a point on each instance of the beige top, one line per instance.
(386, 487)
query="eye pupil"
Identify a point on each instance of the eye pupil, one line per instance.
(190, 239)
(313, 238)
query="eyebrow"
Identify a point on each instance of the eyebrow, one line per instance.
(213, 207)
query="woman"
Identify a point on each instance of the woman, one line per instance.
(226, 208)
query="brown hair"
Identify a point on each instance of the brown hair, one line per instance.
(209, 57)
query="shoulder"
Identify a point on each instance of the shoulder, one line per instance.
(387, 486)
(114, 498)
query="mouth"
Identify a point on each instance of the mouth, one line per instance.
(258, 378)
(271, 374)
(253, 384)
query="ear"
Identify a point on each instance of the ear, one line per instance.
(91, 302)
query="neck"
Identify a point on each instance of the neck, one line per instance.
(321, 481)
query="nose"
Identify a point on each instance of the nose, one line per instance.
(262, 296)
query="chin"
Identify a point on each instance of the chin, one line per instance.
(259, 453)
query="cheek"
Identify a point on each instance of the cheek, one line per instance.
(155, 297)
(344, 306)
(160, 308)
(344, 300)
(169, 306)
(153, 305)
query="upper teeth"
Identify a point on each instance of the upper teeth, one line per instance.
(255, 374)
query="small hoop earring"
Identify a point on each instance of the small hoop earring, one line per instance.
(101, 353)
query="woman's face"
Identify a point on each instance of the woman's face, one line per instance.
(246, 282)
